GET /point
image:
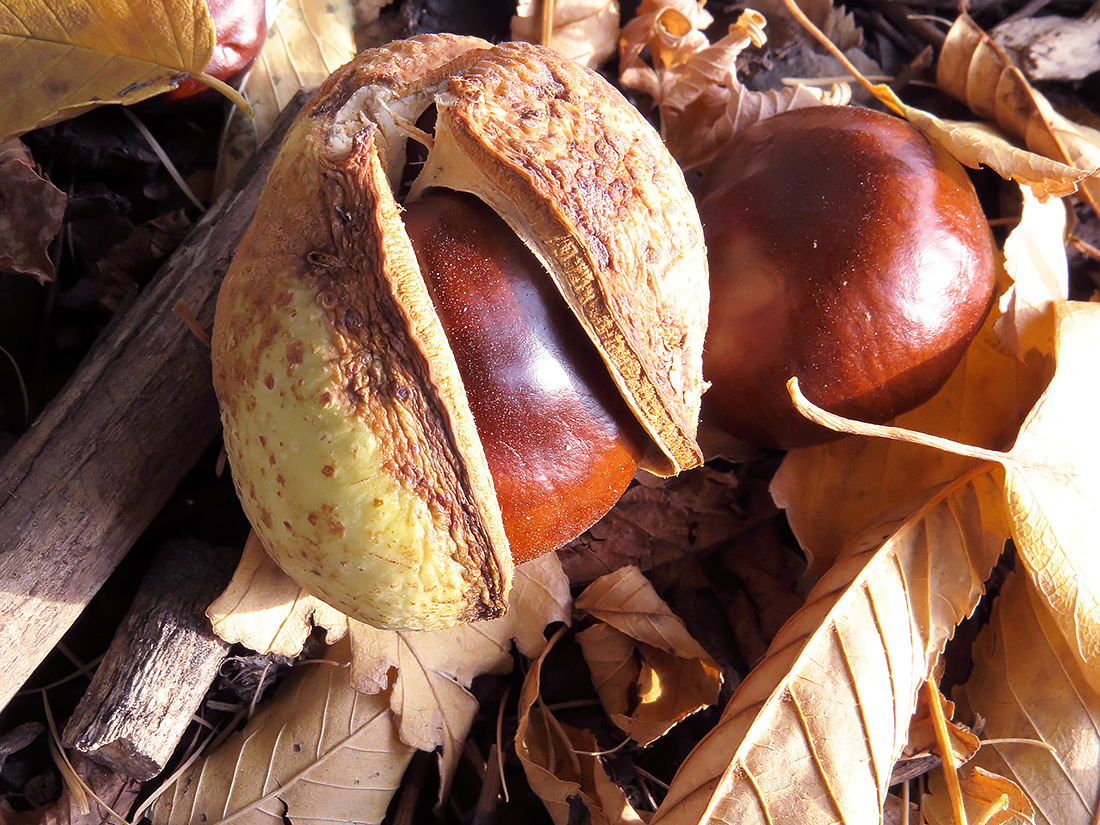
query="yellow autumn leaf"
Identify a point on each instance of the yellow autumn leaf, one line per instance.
(266, 610)
(812, 734)
(648, 670)
(972, 144)
(586, 31)
(1038, 707)
(427, 673)
(1051, 480)
(306, 42)
(560, 761)
(978, 144)
(59, 58)
(1052, 483)
(318, 752)
(1035, 259)
(984, 402)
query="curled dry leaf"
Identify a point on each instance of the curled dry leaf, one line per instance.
(1035, 258)
(31, 209)
(58, 60)
(974, 69)
(266, 610)
(561, 764)
(1027, 688)
(1051, 480)
(812, 733)
(319, 752)
(923, 739)
(586, 31)
(306, 42)
(759, 582)
(426, 674)
(648, 670)
(663, 522)
(972, 144)
(694, 83)
(988, 798)
(984, 402)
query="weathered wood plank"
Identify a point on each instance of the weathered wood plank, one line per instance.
(85, 480)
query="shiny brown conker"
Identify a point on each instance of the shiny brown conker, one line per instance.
(847, 250)
(560, 442)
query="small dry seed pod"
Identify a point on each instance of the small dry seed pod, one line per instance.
(347, 422)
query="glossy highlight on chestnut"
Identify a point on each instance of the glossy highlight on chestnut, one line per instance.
(847, 250)
(561, 444)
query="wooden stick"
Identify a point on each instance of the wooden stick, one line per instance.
(85, 480)
(159, 666)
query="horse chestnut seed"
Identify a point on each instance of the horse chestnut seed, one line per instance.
(847, 250)
(561, 443)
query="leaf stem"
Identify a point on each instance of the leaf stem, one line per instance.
(947, 752)
(228, 91)
(546, 22)
(840, 424)
(158, 150)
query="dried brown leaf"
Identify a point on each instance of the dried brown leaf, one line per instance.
(266, 610)
(319, 752)
(975, 70)
(694, 83)
(561, 762)
(31, 209)
(1035, 258)
(111, 788)
(762, 585)
(427, 673)
(58, 59)
(923, 739)
(627, 601)
(648, 670)
(984, 402)
(653, 524)
(812, 733)
(306, 42)
(1051, 480)
(988, 798)
(1051, 47)
(586, 31)
(1052, 484)
(1027, 687)
(672, 32)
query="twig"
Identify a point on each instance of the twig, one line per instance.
(546, 22)
(947, 752)
(22, 386)
(80, 487)
(164, 159)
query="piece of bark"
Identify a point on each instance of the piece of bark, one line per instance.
(84, 481)
(159, 666)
